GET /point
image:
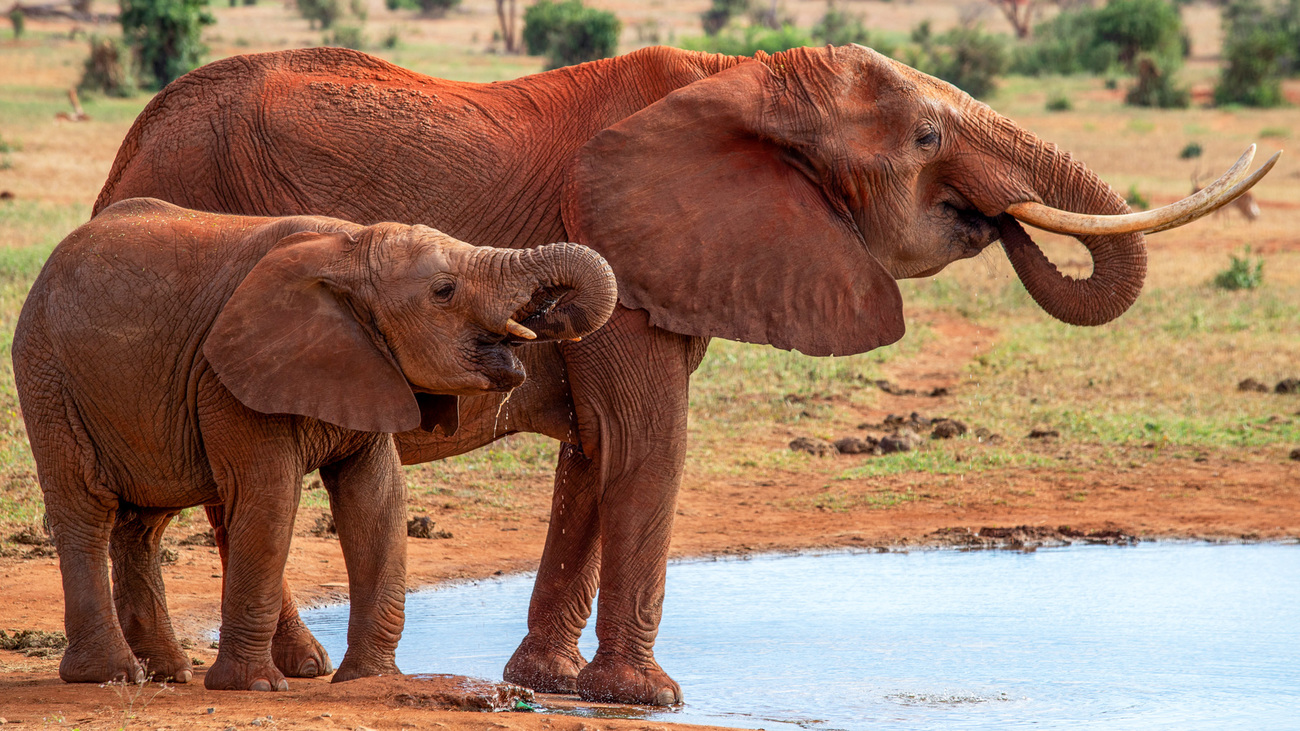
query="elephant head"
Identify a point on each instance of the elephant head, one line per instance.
(784, 195)
(381, 328)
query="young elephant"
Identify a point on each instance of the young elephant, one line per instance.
(167, 358)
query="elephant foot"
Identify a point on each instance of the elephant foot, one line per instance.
(227, 674)
(611, 679)
(544, 669)
(81, 664)
(176, 667)
(351, 669)
(297, 653)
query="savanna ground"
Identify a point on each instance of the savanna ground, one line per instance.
(1154, 438)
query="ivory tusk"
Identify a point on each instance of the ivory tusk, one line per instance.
(1219, 193)
(519, 331)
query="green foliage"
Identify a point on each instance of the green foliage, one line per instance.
(1155, 87)
(720, 14)
(967, 57)
(320, 12)
(431, 8)
(568, 32)
(1059, 102)
(1259, 45)
(164, 34)
(1094, 40)
(18, 20)
(108, 68)
(392, 38)
(1245, 272)
(1191, 151)
(749, 40)
(840, 27)
(346, 36)
(1135, 199)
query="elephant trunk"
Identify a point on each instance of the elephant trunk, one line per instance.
(566, 290)
(1119, 261)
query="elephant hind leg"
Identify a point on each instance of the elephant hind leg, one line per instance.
(294, 648)
(139, 594)
(80, 510)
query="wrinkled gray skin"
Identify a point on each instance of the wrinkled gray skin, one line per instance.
(167, 359)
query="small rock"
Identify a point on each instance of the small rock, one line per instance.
(904, 440)
(1295, 454)
(255, 722)
(857, 445)
(813, 445)
(211, 711)
(168, 555)
(947, 429)
(894, 389)
(1251, 385)
(1044, 434)
(1289, 385)
(325, 526)
(424, 527)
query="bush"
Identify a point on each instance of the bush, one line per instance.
(1243, 273)
(1256, 48)
(1155, 88)
(720, 14)
(18, 20)
(749, 40)
(431, 8)
(1135, 199)
(840, 28)
(164, 34)
(1059, 102)
(568, 33)
(1096, 40)
(108, 68)
(968, 58)
(346, 36)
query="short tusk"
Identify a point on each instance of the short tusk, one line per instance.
(1216, 195)
(519, 331)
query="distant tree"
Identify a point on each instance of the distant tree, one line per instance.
(720, 14)
(430, 8)
(164, 36)
(506, 19)
(569, 33)
(1019, 13)
(839, 27)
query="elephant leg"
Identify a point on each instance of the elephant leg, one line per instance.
(139, 595)
(548, 659)
(80, 510)
(368, 496)
(630, 383)
(259, 479)
(293, 648)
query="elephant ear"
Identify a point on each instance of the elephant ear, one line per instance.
(710, 228)
(286, 342)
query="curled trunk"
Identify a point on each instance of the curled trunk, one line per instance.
(570, 288)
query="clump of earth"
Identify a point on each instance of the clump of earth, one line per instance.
(34, 643)
(901, 434)
(1284, 386)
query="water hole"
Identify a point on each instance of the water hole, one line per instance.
(1155, 636)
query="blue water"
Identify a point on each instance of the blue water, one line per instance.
(1157, 636)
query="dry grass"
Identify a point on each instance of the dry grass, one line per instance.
(1160, 380)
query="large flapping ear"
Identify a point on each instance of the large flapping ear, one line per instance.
(712, 230)
(286, 344)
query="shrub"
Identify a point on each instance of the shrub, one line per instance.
(1155, 88)
(431, 8)
(1245, 272)
(18, 20)
(720, 14)
(968, 58)
(1058, 102)
(1191, 151)
(840, 28)
(1096, 40)
(346, 36)
(1136, 27)
(568, 32)
(108, 68)
(164, 34)
(1135, 199)
(1255, 48)
(322, 12)
(749, 40)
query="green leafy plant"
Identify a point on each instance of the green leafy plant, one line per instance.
(1155, 87)
(1245, 272)
(346, 36)
(1256, 50)
(749, 40)
(320, 12)
(1059, 102)
(720, 13)
(568, 32)
(966, 57)
(839, 27)
(1191, 151)
(1135, 199)
(1095, 40)
(430, 8)
(18, 19)
(164, 36)
(108, 68)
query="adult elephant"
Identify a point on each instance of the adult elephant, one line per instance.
(772, 199)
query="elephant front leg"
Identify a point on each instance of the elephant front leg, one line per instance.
(294, 649)
(139, 594)
(548, 659)
(368, 496)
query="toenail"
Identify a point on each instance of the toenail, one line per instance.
(261, 685)
(309, 668)
(282, 685)
(183, 676)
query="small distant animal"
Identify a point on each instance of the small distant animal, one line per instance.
(1245, 203)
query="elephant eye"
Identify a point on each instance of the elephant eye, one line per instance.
(927, 138)
(443, 288)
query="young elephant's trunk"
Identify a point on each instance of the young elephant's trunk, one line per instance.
(570, 292)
